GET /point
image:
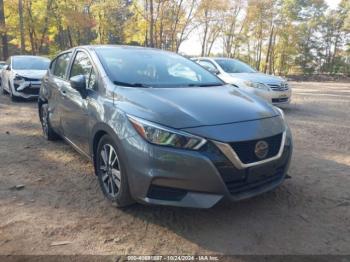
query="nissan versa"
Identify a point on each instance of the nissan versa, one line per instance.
(160, 129)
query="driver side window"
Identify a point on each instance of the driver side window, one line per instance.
(83, 66)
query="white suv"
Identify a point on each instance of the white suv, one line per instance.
(272, 88)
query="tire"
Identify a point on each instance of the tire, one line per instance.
(111, 173)
(48, 132)
(3, 91)
(12, 96)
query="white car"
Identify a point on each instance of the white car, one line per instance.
(21, 77)
(232, 71)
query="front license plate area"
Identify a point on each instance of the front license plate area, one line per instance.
(261, 172)
(34, 86)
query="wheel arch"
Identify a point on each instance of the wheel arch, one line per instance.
(97, 133)
(40, 103)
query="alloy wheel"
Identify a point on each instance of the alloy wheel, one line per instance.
(109, 167)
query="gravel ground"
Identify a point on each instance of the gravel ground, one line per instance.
(61, 200)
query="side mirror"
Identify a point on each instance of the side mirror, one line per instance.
(7, 67)
(79, 83)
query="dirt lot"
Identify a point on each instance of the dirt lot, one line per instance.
(61, 200)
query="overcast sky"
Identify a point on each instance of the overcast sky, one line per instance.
(193, 47)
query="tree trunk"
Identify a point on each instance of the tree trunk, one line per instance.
(151, 24)
(5, 50)
(31, 29)
(272, 56)
(21, 26)
(46, 26)
(70, 37)
(185, 26)
(236, 41)
(332, 71)
(174, 29)
(205, 34)
(268, 51)
(31, 41)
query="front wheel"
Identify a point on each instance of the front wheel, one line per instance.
(3, 91)
(111, 173)
(12, 96)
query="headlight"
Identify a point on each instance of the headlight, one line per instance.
(257, 85)
(280, 111)
(18, 79)
(164, 136)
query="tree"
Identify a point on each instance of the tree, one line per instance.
(274, 36)
(21, 26)
(210, 19)
(3, 31)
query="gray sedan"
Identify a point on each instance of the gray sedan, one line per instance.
(160, 129)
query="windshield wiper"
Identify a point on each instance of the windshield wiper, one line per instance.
(130, 84)
(206, 85)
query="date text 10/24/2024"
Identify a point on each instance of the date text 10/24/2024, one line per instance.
(173, 258)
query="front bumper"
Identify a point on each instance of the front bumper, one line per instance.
(27, 89)
(200, 179)
(276, 97)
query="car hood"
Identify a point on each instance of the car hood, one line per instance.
(36, 74)
(258, 77)
(192, 107)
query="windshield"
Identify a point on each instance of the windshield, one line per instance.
(2, 65)
(152, 68)
(30, 63)
(234, 66)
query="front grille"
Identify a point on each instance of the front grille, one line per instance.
(280, 100)
(226, 169)
(240, 181)
(30, 91)
(246, 149)
(279, 87)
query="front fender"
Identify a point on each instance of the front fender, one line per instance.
(117, 126)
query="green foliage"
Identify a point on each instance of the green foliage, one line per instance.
(275, 36)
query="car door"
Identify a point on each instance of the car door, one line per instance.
(75, 119)
(54, 82)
